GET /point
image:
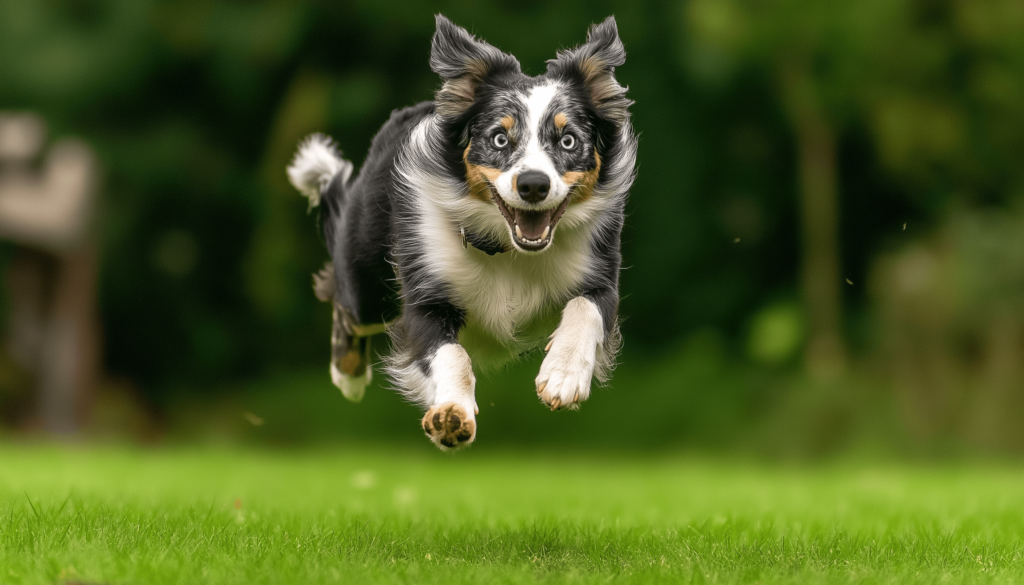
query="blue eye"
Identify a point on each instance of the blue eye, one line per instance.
(500, 140)
(568, 142)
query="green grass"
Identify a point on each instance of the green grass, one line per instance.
(120, 516)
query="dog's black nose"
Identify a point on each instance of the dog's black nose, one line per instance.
(533, 186)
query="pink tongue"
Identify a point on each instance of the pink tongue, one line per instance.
(533, 223)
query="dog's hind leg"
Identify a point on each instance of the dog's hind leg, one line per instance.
(350, 352)
(355, 282)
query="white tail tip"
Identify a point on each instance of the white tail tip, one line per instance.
(315, 165)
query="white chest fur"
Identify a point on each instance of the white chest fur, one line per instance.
(506, 296)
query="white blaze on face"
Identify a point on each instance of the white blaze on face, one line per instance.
(534, 157)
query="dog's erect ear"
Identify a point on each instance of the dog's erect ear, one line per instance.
(463, 62)
(593, 64)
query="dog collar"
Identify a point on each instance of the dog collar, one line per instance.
(486, 245)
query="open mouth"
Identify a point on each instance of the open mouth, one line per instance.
(532, 229)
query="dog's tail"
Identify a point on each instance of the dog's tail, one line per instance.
(315, 165)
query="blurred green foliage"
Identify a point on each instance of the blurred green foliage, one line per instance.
(196, 107)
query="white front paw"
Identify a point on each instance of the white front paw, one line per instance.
(564, 378)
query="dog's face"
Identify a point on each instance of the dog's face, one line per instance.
(530, 147)
(535, 149)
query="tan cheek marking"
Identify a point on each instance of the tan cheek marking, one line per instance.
(479, 178)
(561, 120)
(507, 122)
(582, 183)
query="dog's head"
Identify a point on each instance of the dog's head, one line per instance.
(531, 147)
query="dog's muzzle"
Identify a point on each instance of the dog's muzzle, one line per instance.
(532, 229)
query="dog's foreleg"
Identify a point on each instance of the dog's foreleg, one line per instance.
(450, 422)
(581, 348)
(435, 371)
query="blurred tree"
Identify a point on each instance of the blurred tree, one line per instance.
(817, 53)
(935, 85)
(891, 63)
(951, 326)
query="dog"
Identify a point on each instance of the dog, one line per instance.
(484, 225)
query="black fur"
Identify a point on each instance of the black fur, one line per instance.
(358, 224)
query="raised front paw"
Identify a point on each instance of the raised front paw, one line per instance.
(564, 378)
(449, 426)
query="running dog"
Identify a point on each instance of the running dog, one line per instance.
(483, 225)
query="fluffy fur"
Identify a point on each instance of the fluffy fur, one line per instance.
(483, 225)
(317, 162)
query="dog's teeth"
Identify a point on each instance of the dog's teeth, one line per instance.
(547, 231)
(519, 232)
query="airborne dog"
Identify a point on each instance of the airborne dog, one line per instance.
(483, 225)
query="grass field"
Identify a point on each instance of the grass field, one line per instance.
(120, 516)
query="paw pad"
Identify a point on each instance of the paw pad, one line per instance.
(449, 426)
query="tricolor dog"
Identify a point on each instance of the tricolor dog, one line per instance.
(483, 225)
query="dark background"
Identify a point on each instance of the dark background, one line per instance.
(195, 109)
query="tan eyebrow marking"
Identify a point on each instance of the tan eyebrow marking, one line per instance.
(561, 120)
(479, 178)
(507, 123)
(581, 184)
